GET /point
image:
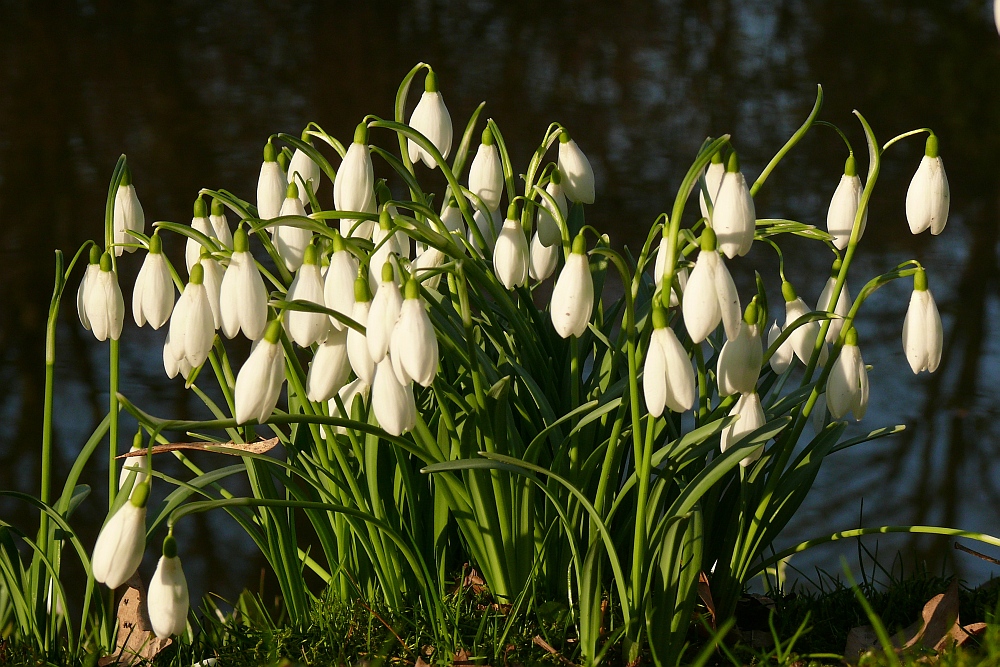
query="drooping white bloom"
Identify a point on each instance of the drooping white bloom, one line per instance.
(128, 213)
(847, 386)
(89, 278)
(220, 226)
(167, 599)
(452, 218)
(741, 357)
(734, 219)
(306, 328)
(392, 401)
(486, 172)
(153, 295)
(713, 181)
(431, 119)
(104, 303)
(357, 342)
(923, 335)
(928, 198)
(271, 185)
(214, 275)
(329, 368)
(258, 384)
(171, 364)
(414, 343)
(338, 288)
(289, 241)
(710, 295)
(136, 463)
(781, 359)
(489, 225)
(751, 418)
(573, 295)
(192, 327)
(681, 273)
(543, 259)
(386, 250)
(243, 296)
(428, 260)
(803, 339)
(302, 170)
(577, 174)
(547, 225)
(200, 223)
(844, 207)
(355, 389)
(510, 255)
(121, 541)
(384, 314)
(842, 308)
(667, 376)
(360, 228)
(353, 189)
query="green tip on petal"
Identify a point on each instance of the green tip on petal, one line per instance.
(835, 268)
(338, 241)
(708, 240)
(270, 152)
(788, 291)
(555, 176)
(512, 211)
(852, 337)
(733, 166)
(564, 137)
(388, 274)
(95, 254)
(919, 280)
(311, 255)
(362, 293)
(205, 254)
(851, 167)
(273, 331)
(106, 263)
(361, 134)
(750, 314)
(717, 157)
(659, 317)
(140, 495)
(487, 136)
(292, 191)
(931, 148)
(218, 208)
(580, 244)
(155, 244)
(200, 208)
(137, 440)
(385, 219)
(283, 160)
(431, 81)
(197, 274)
(169, 547)
(452, 202)
(412, 289)
(126, 177)
(241, 242)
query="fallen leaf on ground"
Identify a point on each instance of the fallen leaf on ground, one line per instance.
(705, 593)
(544, 645)
(259, 447)
(136, 641)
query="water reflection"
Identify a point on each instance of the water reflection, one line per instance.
(190, 90)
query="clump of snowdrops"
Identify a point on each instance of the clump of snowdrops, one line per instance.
(434, 407)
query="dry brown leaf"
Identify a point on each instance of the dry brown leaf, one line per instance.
(940, 621)
(259, 447)
(544, 645)
(705, 593)
(859, 640)
(136, 642)
(461, 658)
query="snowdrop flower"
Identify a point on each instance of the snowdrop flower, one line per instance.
(681, 274)
(392, 401)
(290, 241)
(89, 279)
(741, 357)
(104, 303)
(489, 226)
(431, 119)
(844, 207)
(734, 218)
(128, 215)
(355, 389)
(220, 226)
(431, 258)
(133, 462)
(167, 599)
(306, 328)
(510, 255)
(258, 384)
(192, 327)
(338, 288)
(153, 295)
(577, 174)
(452, 218)
(923, 334)
(751, 418)
(542, 259)
(383, 315)
(710, 295)
(171, 364)
(414, 343)
(667, 376)
(842, 308)
(713, 181)
(357, 341)
(386, 249)
(573, 295)
(243, 297)
(847, 386)
(486, 172)
(121, 541)
(271, 185)
(547, 221)
(353, 189)
(803, 339)
(782, 357)
(214, 275)
(329, 368)
(928, 197)
(302, 170)
(200, 223)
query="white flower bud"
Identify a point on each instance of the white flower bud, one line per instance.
(128, 213)
(271, 185)
(392, 401)
(258, 384)
(782, 357)
(200, 223)
(214, 274)
(167, 599)
(414, 343)
(353, 189)
(431, 119)
(928, 198)
(306, 328)
(357, 388)
(329, 368)
(710, 295)
(667, 376)
(386, 250)
(577, 174)
(383, 315)
(751, 418)
(923, 335)
(734, 219)
(89, 279)
(357, 342)
(573, 295)
(510, 255)
(122, 540)
(243, 296)
(842, 308)
(489, 225)
(547, 221)
(740, 359)
(844, 207)
(452, 218)
(338, 288)
(431, 258)
(192, 327)
(104, 305)
(713, 181)
(486, 173)
(153, 295)
(289, 241)
(302, 170)
(543, 259)
(847, 386)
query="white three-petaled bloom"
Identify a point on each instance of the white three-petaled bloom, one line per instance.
(431, 119)
(547, 225)
(751, 418)
(392, 401)
(167, 599)
(847, 386)
(357, 341)
(713, 181)
(271, 185)
(801, 341)
(199, 223)
(291, 241)
(192, 327)
(329, 369)
(928, 197)
(153, 296)
(923, 334)
(214, 275)
(414, 345)
(128, 215)
(383, 314)
(220, 226)
(667, 376)
(386, 249)
(542, 259)
(734, 218)
(104, 304)
(243, 297)
(741, 357)
(844, 207)
(306, 328)
(121, 541)
(842, 308)
(89, 278)
(573, 295)
(353, 189)
(486, 172)
(338, 288)
(577, 174)
(710, 295)
(510, 255)
(302, 170)
(258, 383)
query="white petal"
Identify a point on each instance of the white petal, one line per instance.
(353, 189)
(573, 297)
(547, 225)
(431, 118)
(357, 345)
(782, 357)
(700, 305)
(417, 346)
(680, 375)
(271, 186)
(338, 290)
(120, 545)
(542, 260)
(301, 170)
(392, 402)
(734, 218)
(329, 368)
(510, 255)
(307, 328)
(843, 209)
(713, 181)
(654, 378)
(929, 197)
(486, 176)
(382, 318)
(577, 174)
(729, 299)
(167, 599)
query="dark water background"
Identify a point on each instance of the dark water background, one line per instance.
(191, 90)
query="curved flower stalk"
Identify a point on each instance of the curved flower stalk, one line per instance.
(354, 187)
(192, 326)
(414, 345)
(242, 295)
(329, 368)
(88, 280)
(844, 207)
(577, 174)
(510, 255)
(153, 294)
(842, 308)
(928, 198)
(258, 384)
(547, 225)
(751, 418)
(714, 173)
(104, 305)
(220, 226)
(383, 315)
(214, 275)
(543, 259)
(392, 401)
(667, 376)
(167, 599)
(431, 119)
(306, 328)
(122, 540)
(200, 223)
(923, 334)
(271, 185)
(740, 359)
(734, 218)
(302, 170)
(357, 342)
(710, 296)
(338, 286)
(486, 172)
(128, 215)
(291, 241)
(573, 295)
(847, 386)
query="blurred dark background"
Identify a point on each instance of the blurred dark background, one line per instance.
(191, 91)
